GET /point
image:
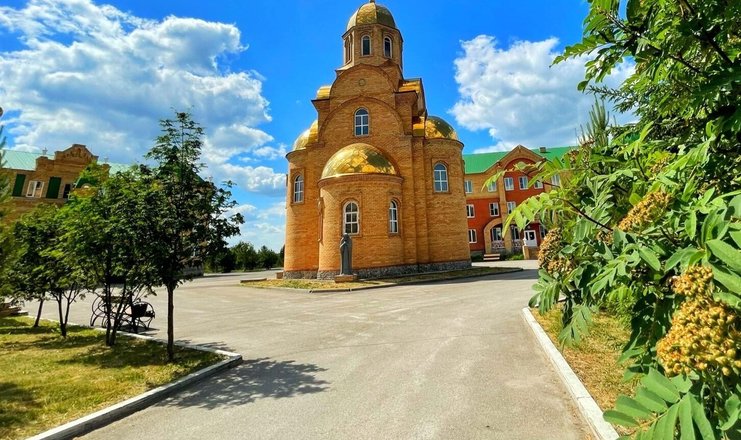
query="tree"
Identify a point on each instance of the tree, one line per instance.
(267, 258)
(191, 216)
(6, 239)
(245, 255)
(647, 214)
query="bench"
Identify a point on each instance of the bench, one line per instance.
(135, 314)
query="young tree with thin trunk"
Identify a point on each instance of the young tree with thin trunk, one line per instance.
(191, 216)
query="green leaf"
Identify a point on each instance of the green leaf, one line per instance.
(733, 408)
(650, 400)
(631, 407)
(682, 383)
(726, 253)
(618, 418)
(649, 257)
(661, 386)
(736, 236)
(686, 427)
(666, 425)
(701, 421)
(729, 280)
(690, 226)
(731, 299)
(678, 257)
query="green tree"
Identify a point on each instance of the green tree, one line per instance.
(245, 255)
(648, 215)
(6, 239)
(191, 217)
(267, 258)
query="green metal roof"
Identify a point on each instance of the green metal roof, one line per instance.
(478, 163)
(24, 160)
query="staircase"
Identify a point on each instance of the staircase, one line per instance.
(492, 257)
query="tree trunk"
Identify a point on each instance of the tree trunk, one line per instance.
(170, 323)
(62, 323)
(38, 314)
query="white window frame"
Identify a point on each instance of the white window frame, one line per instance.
(523, 181)
(556, 180)
(35, 189)
(492, 187)
(470, 211)
(494, 209)
(511, 207)
(440, 178)
(509, 184)
(390, 52)
(494, 234)
(468, 184)
(362, 122)
(347, 219)
(298, 189)
(393, 217)
(472, 236)
(538, 184)
(363, 39)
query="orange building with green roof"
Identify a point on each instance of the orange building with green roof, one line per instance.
(487, 206)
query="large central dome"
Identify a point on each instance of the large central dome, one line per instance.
(372, 13)
(358, 159)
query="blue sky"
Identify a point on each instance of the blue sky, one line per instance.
(102, 74)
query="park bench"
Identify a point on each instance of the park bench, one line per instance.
(136, 313)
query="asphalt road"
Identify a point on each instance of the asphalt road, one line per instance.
(449, 360)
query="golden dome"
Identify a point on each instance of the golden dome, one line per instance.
(307, 137)
(437, 128)
(358, 159)
(372, 13)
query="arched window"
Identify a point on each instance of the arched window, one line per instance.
(441, 178)
(362, 122)
(351, 218)
(298, 189)
(348, 49)
(366, 45)
(393, 217)
(387, 47)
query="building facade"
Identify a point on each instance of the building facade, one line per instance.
(376, 166)
(45, 178)
(487, 206)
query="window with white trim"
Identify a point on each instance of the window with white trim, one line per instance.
(523, 182)
(387, 47)
(440, 178)
(351, 220)
(492, 187)
(472, 236)
(362, 122)
(538, 184)
(35, 189)
(496, 234)
(469, 186)
(298, 189)
(511, 207)
(365, 45)
(469, 211)
(494, 209)
(515, 232)
(556, 180)
(509, 184)
(394, 217)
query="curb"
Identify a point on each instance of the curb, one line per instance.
(120, 410)
(588, 408)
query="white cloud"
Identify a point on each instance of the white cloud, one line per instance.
(95, 75)
(262, 226)
(519, 97)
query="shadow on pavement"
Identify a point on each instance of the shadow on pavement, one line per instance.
(213, 345)
(254, 379)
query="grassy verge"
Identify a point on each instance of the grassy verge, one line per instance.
(331, 285)
(46, 380)
(595, 359)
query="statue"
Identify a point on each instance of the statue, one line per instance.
(346, 255)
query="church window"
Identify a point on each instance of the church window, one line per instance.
(348, 49)
(387, 47)
(298, 189)
(351, 221)
(35, 188)
(366, 45)
(394, 217)
(441, 178)
(362, 122)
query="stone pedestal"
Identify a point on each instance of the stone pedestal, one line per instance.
(279, 275)
(345, 278)
(530, 252)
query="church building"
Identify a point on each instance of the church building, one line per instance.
(376, 166)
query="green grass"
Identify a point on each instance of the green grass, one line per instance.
(46, 380)
(331, 285)
(595, 358)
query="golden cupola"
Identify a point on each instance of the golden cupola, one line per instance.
(372, 37)
(358, 159)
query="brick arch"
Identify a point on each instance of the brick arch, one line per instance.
(357, 102)
(358, 67)
(496, 221)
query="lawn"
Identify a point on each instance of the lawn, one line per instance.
(595, 359)
(331, 285)
(46, 380)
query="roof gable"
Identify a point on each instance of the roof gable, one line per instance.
(481, 162)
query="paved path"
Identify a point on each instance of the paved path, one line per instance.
(451, 360)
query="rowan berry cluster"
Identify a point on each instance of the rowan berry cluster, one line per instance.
(548, 255)
(705, 334)
(645, 212)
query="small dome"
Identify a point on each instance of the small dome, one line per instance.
(307, 137)
(437, 128)
(358, 159)
(372, 13)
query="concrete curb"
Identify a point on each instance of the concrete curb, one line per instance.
(588, 408)
(120, 410)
